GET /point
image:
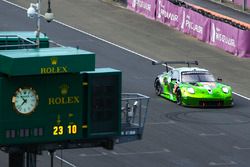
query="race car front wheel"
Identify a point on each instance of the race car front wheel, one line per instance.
(158, 87)
(178, 97)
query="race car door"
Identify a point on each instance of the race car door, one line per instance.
(173, 81)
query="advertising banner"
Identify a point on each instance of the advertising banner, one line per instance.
(214, 32)
(144, 7)
(195, 24)
(244, 43)
(167, 13)
(224, 36)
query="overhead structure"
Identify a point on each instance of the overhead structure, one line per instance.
(21, 40)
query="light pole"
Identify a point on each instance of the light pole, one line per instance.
(34, 11)
(38, 24)
(49, 16)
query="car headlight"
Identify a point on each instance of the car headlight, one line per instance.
(190, 90)
(225, 90)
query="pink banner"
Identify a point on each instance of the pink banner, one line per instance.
(195, 24)
(244, 43)
(167, 13)
(144, 7)
(217, 33)
(224, 36)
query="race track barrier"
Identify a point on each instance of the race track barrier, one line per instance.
(223, 32)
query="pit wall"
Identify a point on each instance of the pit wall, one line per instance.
(223, 32)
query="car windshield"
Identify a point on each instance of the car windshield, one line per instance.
(193, 77)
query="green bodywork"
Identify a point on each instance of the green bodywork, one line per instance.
(201, 97)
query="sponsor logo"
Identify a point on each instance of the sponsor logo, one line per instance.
(64, 99)
(54, 60)
(216, 35)
(54, 68)
(141, 4)
(187, 23)
(164, 13)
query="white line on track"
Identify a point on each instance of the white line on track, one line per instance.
(140, 153)
(161, 123)
(66, 162)
(222, 164)
(241, 148)
(240, 121)
(241, 96)
(125, 153)
(111, 43)
(93, 155)
(212, 134)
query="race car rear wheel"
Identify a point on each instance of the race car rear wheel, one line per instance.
(178, 97)
(158, 87)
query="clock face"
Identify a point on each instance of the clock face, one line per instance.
(25, 101)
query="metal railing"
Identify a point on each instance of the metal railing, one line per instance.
(133, 116)
(21, 42)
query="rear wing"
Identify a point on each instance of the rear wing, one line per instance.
(174, 62)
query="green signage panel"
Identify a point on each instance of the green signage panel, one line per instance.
(52, 95)
(46, 61)
(41, 109)
(60, 108)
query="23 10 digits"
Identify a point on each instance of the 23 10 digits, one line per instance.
(60, 130)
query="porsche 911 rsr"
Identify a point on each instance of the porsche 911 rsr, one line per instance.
(192, 86)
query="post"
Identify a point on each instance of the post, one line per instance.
(51, 157)
(30, 159)
(38, 24)
(244, 5)
(16, 159)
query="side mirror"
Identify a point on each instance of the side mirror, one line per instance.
(219, 79)
(173, 79)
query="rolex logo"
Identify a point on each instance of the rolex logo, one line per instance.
(64, 89)
(64, 99)
(54, 61)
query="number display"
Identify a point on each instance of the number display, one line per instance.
(59, 130)
(72, 129)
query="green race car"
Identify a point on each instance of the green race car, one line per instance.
(192, 86)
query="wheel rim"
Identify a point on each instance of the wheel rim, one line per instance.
(158, 88)
(178, 98)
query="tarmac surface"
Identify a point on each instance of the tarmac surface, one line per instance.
(174, 136)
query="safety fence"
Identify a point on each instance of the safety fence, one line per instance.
(244, 3)
(222, 32)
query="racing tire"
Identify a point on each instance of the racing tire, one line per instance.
(178, 97)
(158, 87)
